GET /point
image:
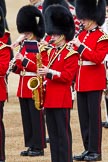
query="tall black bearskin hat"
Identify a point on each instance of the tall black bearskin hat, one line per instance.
(91, 9)
(3, 6)
(30, 19)
(47, 3)
(59, 20)
(2, 23)
(106, 2)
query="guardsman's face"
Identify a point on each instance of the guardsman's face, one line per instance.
(86, 23)
(55, 37)
(58, 39)
(28, 35)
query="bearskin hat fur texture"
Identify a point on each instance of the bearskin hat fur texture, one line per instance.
(91, 9)
(59, 20)
(106, 2)
(47, 3)
(30, 19)
(2, 23)
(3, 6)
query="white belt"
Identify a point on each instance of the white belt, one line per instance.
(80, 62)
(26, 73)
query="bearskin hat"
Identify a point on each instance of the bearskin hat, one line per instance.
(59, 20)
(91, 9)
(3, 6)
(106, 2)
(30, 19)
(2, 23)
(47, 3)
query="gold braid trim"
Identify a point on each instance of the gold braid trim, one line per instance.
(70, 53)
(3, 45)
(45, 48)
(49, 52)
(42, 48)
(103, 37)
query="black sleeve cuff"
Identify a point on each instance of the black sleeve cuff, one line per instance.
(14, 68)
(49, 75)
(25, 62)
(81, 48)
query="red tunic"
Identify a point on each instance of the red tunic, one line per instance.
(25, 73)
(58, 91)
(92, 76)
(5, 37)
(4, 64)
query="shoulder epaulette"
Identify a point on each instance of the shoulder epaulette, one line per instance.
(71, 52)
(103, 37)
(3, 45)
(49, 51)
(44, 48)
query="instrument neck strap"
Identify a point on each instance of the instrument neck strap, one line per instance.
(54, 58)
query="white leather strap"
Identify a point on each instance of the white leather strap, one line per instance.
(83, 63)
(25, 73)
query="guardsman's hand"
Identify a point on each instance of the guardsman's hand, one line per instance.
(19, 56)
(76, 42)
(43, 70)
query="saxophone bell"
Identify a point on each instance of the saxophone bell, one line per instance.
(33, 83)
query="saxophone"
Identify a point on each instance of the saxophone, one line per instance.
(36, 85)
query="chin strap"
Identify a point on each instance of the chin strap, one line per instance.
(59, 39)
(89, 24)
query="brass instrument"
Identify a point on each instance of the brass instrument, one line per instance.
(11, 64)
(13, 60)
(36, 85)
(33, 84)
(81, 27)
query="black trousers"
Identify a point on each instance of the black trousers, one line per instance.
(89, 111)
(2, 133)
(33, 124)
(58, 124)
(106, 100)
